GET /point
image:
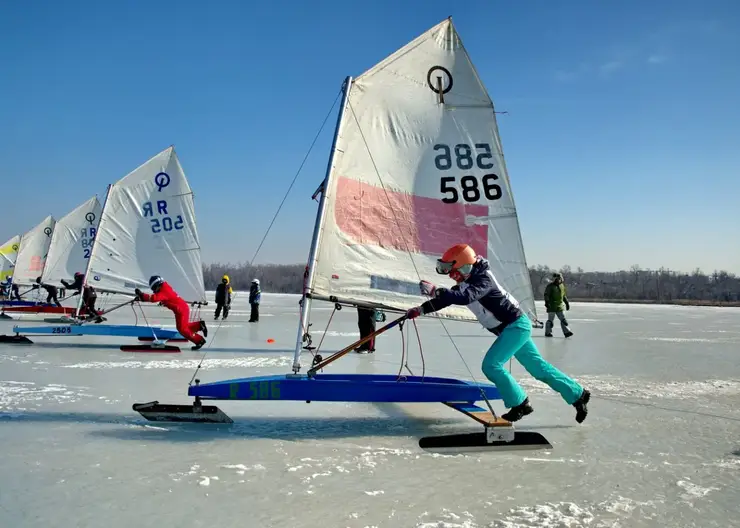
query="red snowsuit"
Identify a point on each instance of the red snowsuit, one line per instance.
(169, 299)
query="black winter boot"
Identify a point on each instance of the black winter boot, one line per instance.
(518, 412)
(580, 405)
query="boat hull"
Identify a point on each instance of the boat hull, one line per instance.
(100, 329)
(346, 388)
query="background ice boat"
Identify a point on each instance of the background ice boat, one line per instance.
(68, 253)
(147, 227)
(23, 261)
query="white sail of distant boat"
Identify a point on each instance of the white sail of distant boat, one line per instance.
(417, 166)
(147, 227)
(8, 255)
(32, 253)
(71, 243)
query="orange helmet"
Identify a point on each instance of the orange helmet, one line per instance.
(459, 259)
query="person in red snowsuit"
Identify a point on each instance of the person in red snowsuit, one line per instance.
(164, 294)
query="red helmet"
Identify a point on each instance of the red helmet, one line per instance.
(457, 262)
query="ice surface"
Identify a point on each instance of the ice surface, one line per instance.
(661, 446)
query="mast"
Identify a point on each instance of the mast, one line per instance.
(92, 252)
(305, 298)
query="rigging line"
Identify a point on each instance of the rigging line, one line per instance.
(421, 351)
(403, 353)
(408, 250)
(296, 176)
(318, 348)
(136, 316)
(210, 342)
(408, 355)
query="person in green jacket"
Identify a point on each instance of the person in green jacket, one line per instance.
(555, 300)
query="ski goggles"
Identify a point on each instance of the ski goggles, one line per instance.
(445, 268)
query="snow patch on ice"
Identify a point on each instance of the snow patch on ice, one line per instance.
(189, 364)
(311, 469)
(334, 333)
(22, 395)
(693, 491)
(550, 515)
(374, 493)
(725, 463)
(571, 515)
(449, 519)
(613, 386)
(241, 469)
(688, 339)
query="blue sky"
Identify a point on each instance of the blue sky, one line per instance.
(622, 136)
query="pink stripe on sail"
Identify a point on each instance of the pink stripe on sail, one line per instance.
(405, 221)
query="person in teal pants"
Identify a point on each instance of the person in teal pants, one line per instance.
(498, 311)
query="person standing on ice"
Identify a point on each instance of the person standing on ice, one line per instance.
(52, 292)
(164, 294)
(255, 296)
(10, 289)
(89, 295)
(223, 297)
(366, 324)
(498, 311)
(555, 300)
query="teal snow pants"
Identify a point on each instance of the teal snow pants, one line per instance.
(516, 340)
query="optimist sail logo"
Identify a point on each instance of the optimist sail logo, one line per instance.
(162, 180)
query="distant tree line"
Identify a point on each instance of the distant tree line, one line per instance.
(643, 285)
(633, 285)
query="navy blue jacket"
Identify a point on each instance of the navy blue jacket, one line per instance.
(494, 307)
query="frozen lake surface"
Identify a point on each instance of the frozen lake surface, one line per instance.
(660, 447)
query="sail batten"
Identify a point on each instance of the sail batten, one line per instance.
(418, 167)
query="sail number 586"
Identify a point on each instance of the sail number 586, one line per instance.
(464, 159)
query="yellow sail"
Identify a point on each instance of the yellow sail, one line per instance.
(8, 254)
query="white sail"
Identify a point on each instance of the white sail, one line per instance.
(32, 253)
(418, 167)
(71, 243)
(8, 255)
(148, 228)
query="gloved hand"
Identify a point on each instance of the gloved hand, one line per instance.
(413, 313)
(138, 293)
(567, 305)
(427, 288)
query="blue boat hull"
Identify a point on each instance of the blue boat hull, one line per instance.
(20, 303)
(346, 388)
(99, 329)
